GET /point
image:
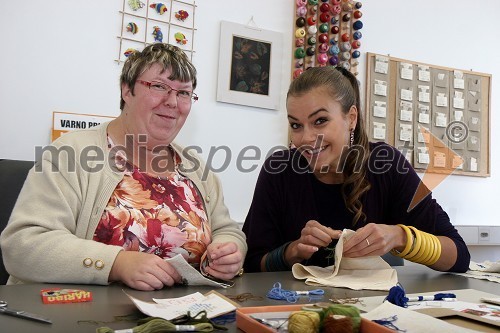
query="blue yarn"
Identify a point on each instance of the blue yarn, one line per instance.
(397, 296)
(389, 323)
(291, 296)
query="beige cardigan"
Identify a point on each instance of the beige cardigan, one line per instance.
(50, 231)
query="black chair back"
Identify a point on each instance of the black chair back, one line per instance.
(12, 176)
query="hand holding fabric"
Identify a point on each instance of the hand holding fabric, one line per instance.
(374, 240)
(313, 236)
(225, 260)
(143, 271)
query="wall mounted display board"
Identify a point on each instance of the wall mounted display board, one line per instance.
(326, 33)
(439, 117)
(147, 22)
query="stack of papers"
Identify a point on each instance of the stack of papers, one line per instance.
(170, 308)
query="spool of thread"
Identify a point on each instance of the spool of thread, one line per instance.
(304, 322)
(337, 324)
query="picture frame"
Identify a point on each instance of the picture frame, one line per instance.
(249, 66)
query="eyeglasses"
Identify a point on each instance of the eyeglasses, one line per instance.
(163, 89)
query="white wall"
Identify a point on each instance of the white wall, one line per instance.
(59, 56)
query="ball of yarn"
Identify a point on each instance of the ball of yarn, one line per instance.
(304, 322)
(349, 311)
(337, 324)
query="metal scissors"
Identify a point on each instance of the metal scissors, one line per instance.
(22, 314)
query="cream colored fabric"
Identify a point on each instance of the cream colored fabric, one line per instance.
(354, 273)
(412, 322)
(487, 270)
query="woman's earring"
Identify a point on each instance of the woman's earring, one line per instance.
(352, 138)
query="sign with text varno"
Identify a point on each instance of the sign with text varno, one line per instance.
(63, 122)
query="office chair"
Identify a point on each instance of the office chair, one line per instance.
(12, 176)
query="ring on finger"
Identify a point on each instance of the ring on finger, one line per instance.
(367, 241)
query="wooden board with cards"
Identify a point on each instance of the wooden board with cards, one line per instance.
(438, 117)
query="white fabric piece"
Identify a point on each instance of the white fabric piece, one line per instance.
(371, 273)
(487, 270)
(189, 274)
(411, 321)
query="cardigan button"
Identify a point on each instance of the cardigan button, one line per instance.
(99, 264)
(87, 262)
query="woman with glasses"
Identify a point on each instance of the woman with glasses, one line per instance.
(335, 179)
(126, 196)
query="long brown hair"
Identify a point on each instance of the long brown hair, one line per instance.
(343, 87)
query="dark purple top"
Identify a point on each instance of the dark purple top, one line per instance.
(287, 195)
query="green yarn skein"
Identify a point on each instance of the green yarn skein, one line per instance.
(160, 325)
(344, 310)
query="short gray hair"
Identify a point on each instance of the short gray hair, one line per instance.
(168, 56)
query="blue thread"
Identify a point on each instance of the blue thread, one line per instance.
(292, 296)
(389, 323)
(397, 296)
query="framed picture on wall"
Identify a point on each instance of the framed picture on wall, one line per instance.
(249, 66)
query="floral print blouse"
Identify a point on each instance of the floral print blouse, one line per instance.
(160, 215)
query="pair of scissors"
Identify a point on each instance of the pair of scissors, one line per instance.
(22, 314)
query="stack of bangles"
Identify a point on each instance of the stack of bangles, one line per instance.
(421, 247)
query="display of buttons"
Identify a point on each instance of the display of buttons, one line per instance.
(332, 25)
